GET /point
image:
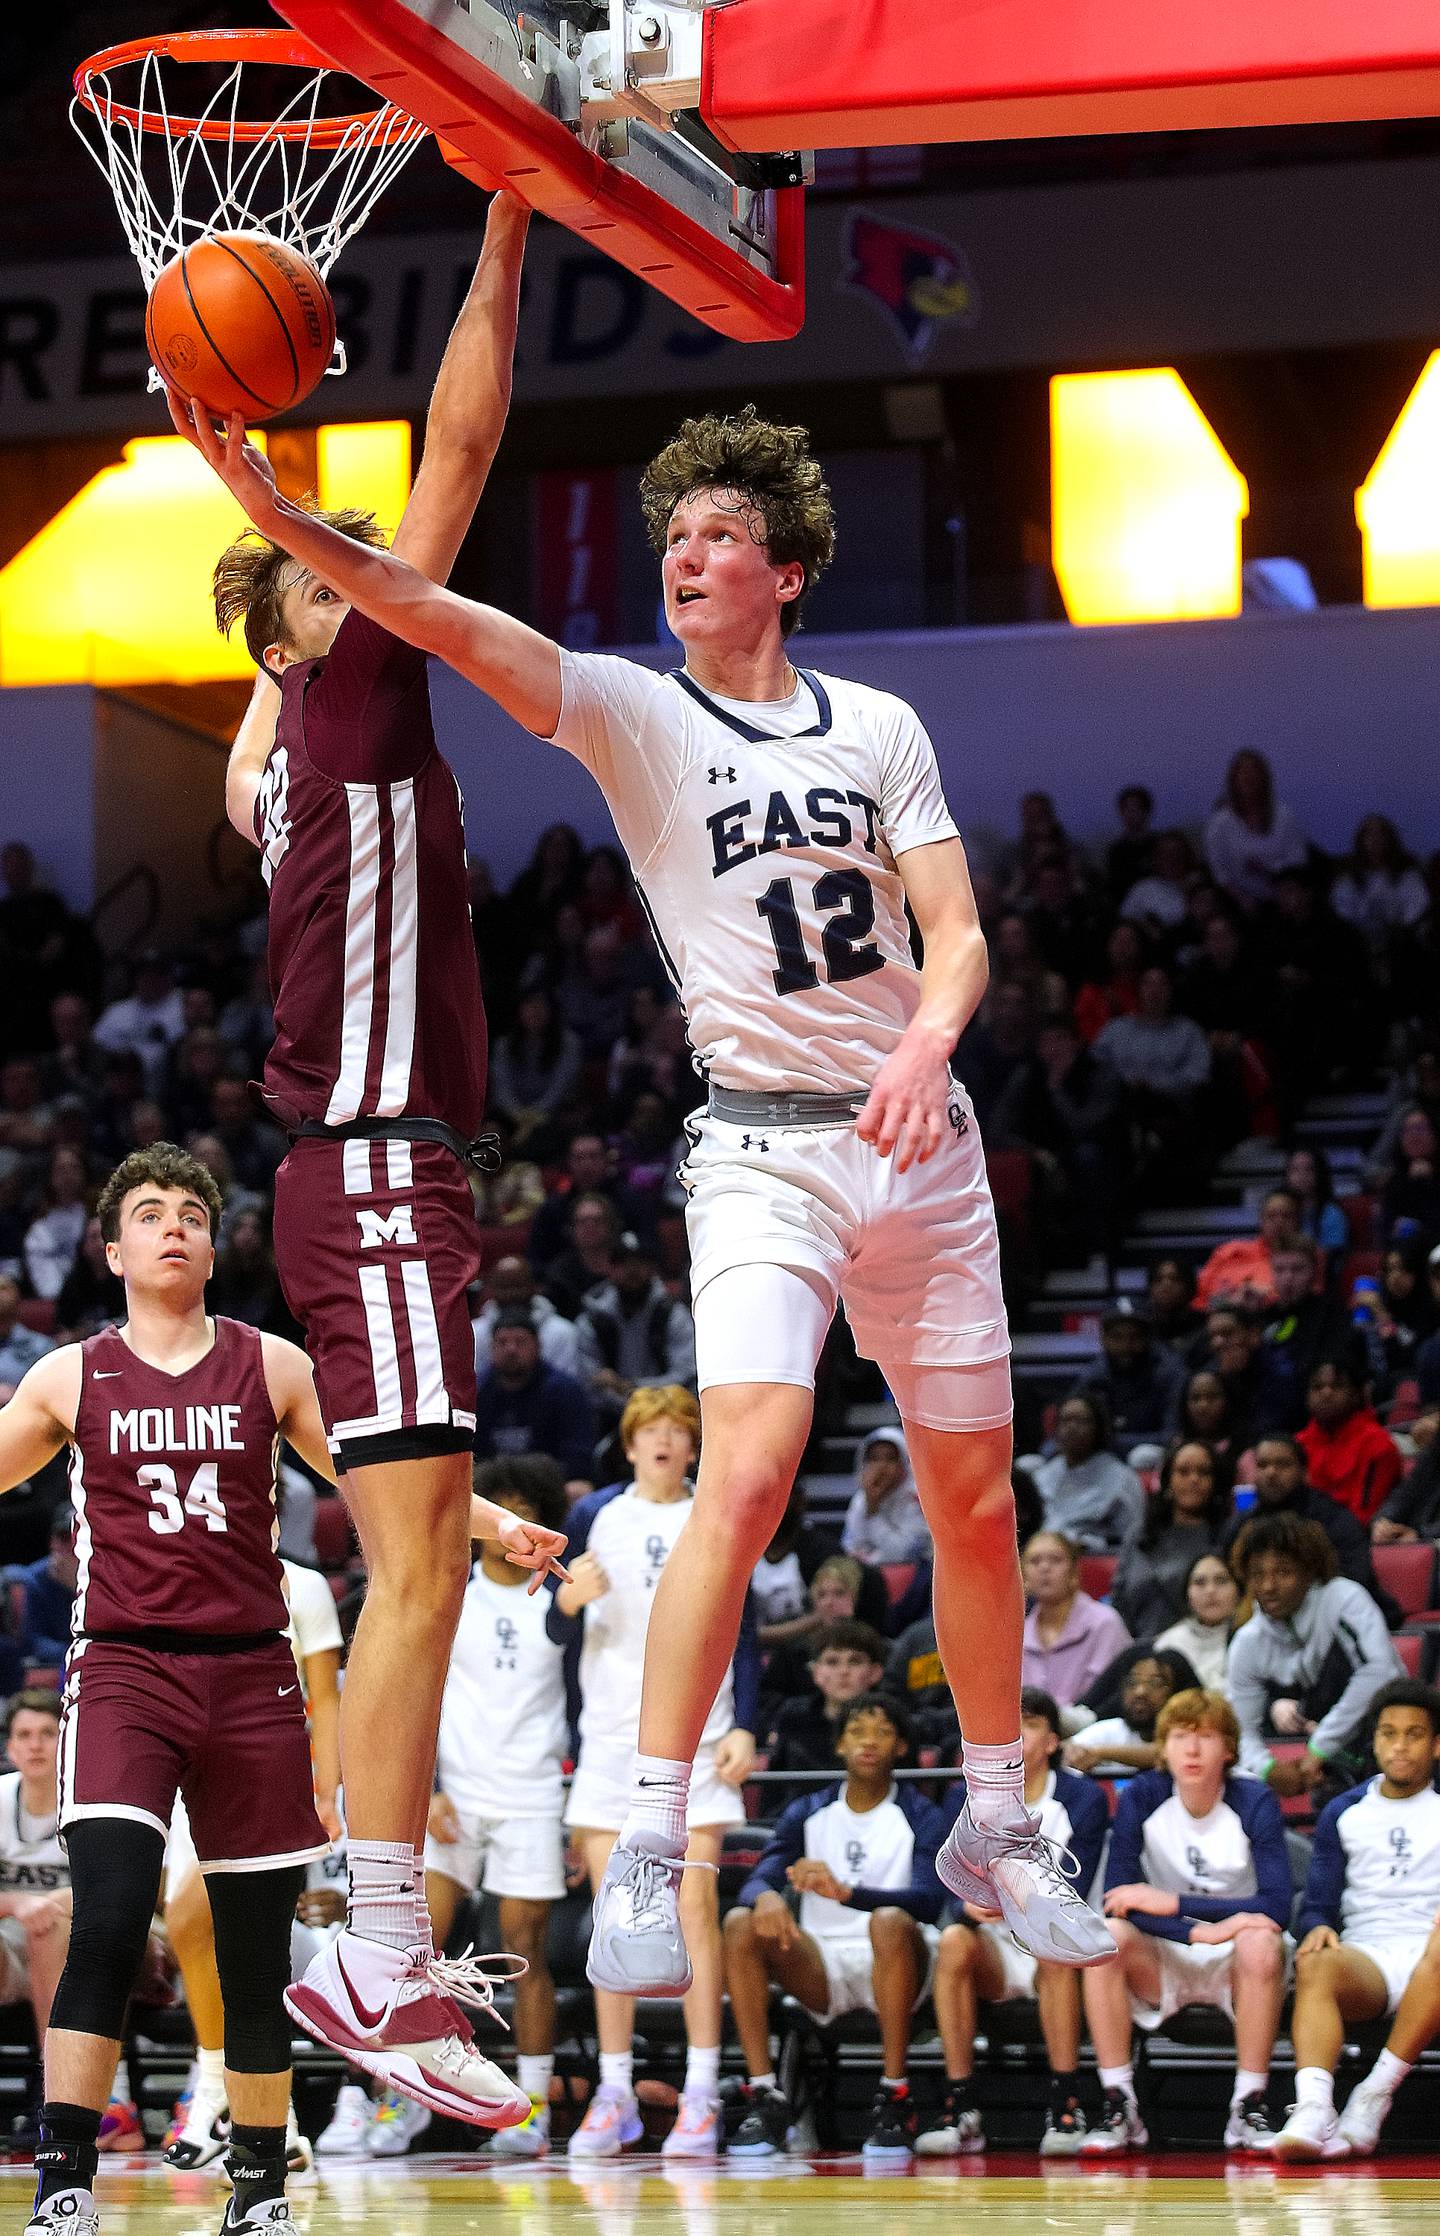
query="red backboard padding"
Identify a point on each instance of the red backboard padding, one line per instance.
(870, 73)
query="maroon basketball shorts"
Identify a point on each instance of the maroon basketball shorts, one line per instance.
(227, 1730)
(376, 1245)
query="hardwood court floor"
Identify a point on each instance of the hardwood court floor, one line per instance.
(1011, 2196)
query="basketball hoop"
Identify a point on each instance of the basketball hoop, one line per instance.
(181, 169)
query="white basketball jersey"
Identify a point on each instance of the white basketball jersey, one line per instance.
(764, 838)
(1392, 1865)
(503, 1733)
(32, 1860)
(631, 1538)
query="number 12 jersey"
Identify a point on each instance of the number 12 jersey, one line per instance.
(764, 839)
(172, 1477)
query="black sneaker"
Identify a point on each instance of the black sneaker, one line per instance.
(955, 2130)
(762, 2132)
(1249, 2127)
(1119, 2127)
(1065, 2129)
(894, 2125)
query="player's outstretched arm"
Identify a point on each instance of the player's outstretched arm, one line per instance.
(39, 1419)
(470, 402)
(290, 1379)
(906, 1110)
(516, 666)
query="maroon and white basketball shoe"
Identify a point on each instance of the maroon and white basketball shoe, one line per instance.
(395, 2014)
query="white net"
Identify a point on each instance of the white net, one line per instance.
(179, 172)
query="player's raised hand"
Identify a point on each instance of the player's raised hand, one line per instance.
(245, 471)
(907, 1113)
(527, 1545)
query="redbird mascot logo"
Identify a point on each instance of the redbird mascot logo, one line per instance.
(919, 280)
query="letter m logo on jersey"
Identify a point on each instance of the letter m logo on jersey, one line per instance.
(397, 1226)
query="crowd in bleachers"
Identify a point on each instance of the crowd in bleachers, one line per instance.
(1237, 1497)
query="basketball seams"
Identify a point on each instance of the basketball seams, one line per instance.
(218, 241)
(199, 317)
(209, 308)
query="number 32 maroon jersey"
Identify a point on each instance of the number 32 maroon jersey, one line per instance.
(172, 1477)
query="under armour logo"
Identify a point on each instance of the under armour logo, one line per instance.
(716, 776)
(755, 1141)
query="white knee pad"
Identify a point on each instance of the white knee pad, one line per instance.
(761, 1323)
(961, 1398)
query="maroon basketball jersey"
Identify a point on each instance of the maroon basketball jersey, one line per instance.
(373, 971)
(172, 1477)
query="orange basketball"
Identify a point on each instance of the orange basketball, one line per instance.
(241, 322)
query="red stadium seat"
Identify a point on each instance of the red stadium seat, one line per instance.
(899, 1576)
(1410, 1646)
(1097, 1573)
(334, 1537)
(1407, 1573)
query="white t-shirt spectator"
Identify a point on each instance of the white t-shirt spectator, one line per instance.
(1248, 862)
(51, 1244)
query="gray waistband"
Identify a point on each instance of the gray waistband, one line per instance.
(738, 1106)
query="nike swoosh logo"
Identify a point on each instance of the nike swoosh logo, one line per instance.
(368, 2019)
(110, 1374)
(285, 1691)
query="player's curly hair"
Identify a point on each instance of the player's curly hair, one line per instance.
(162, 1165)
(249, 578)
(785, 493)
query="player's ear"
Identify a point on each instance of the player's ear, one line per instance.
(112, 1257)
(276, 660)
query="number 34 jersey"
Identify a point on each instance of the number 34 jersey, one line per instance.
(172, 1477)
(764, 839)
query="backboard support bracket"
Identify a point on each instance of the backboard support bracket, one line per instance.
(515, 99)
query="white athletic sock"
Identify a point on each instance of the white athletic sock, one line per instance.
(424, 1930)
(120, 2087)
(617, 2070)
(1248, 2084)
(702, 2070)
(1313, 2085)
(211, 2065)
(382, 1892)
(1387, 2072)
(994, 1780)
(765, 2080)
(659, 1791)
(1119, 2076)
(535, 2075)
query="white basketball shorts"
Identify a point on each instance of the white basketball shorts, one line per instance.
(913, 1254)
(520, 1856)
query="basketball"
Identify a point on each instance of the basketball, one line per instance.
(241, 323)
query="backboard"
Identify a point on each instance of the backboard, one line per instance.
(588, 109)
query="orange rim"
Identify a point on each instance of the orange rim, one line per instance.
(283, 47)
